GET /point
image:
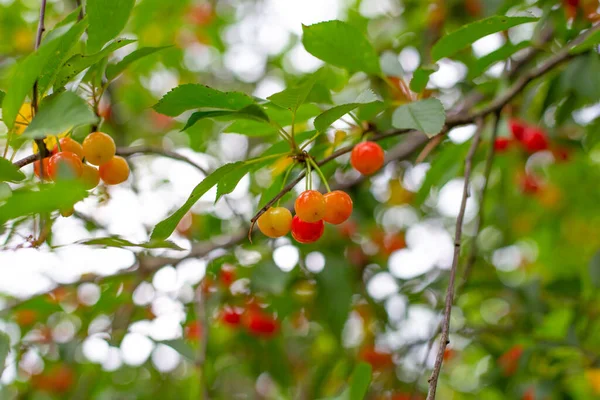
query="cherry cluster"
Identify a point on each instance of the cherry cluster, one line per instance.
(313, 209)
(531, 138)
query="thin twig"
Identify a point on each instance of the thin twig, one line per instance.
(202, 322)
(457, 238)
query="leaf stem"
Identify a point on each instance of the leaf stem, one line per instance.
(316, 167)
(285, 178)
(312, 139)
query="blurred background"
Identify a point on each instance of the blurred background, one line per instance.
(282, 320)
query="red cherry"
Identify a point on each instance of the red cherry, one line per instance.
(509, 361)
(230, 316)
(227, 275)
(65, 165)
(193, 331)
(530, 184)
(501, 144)
(262, 324)
(534, 139)
(367, 157)
(306, 232)
(449, 354)
(572, 3)
(517, 128)
(378, 360)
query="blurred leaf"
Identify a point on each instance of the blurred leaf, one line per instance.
(466, 35)
(165, 228)
(9, 172)
(421, 77)
(594, 269)
(342, 45)
(79, 62)
(4, 349)
(502, 54)
(61, 113)
(191, 96)
(67, 42)
(359, 382)
(324, 120)
(115, 241)
(591, 41)
(268, 277)
(181, 347)
(335, 294)
(280, 116)
(427, 116)
(5, 193)
(292, 97)
(251, 112)
(113, 70)
(555, 324)
(581, 76)
(107, 20)
(2, 94)
(50, 197)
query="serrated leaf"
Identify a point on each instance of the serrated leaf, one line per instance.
(277, 114)
(421, 77)
(503, 53)
(4, 350)
(165, 228)
(342, 45)
(228, 183)
(192, 96)
(79, 62)
(115, 241)
(50, 197)
(427, 116)
(180, 346)
(24, 75)
(292, 97)
(451, 43)
(63, 112)
(9, 172)
(67, 42)
(251, 112)
(107, 20)
(113, 70)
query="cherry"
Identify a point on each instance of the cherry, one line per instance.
(306, 232)
(227, 275)
(193, 331)
(378, 360)
(89, 176)
(509, 361)
(65, 165)
(534, 139)
(67, 212)
(517, 128)
(26, 317)
(310, 206)
(501, 144)
(261, 324)
(275, 222)
(36, 167)
(68, 144)
(98, 148)
(449, 354)
(367, 157)
(115, 171)
(338, 207)
(231, 316)
(530, 184)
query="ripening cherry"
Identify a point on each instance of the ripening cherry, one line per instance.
(275, 222)
(509, 361)
(310, 206)
(230, 316)
(379, 360)
(227, 275)
(367, 157)
(36, 167)
(534, 139)
(115, 171)
(26, 317)
(65, 165)
(307, 232)
(67, 212)
(68, 144)
(90, 177)
(338, 207)
(261, 324)
(193, 331)
(501, 144)
(530, 184)
(517, 128)
(98, 148)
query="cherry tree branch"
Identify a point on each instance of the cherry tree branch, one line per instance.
(457, 239)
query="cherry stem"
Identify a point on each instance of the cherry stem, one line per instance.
(314, 164)
(308, 175)
(285, 178)
(312, 139)
(58, 143)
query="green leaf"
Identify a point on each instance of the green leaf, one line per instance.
(342, 45)
(277, 114)
(63, 112)
(26, 72)
(501, 54)
(4, 349)
(115, 241)
(2, 94)
(594, 269)
(589, 42)
(50, 197)
(9, 172)
(165, 228)
(323, 121)
(192, 96)
(107, 20)
(359, 382)
(251, 112)
(421, 77)
(427, 116)
(450, 44)
(113, 70)
(180, 346)
(79, 62)
(292, 97)
(335, 294)
(67, 42)
(228, 183)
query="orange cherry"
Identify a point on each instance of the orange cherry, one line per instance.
(338, 207)
(65, 165)
(68, 144)
(36, 167)
(367, 157)
(90, 177)
(310, 206)
(98, 148)
(114, 171)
